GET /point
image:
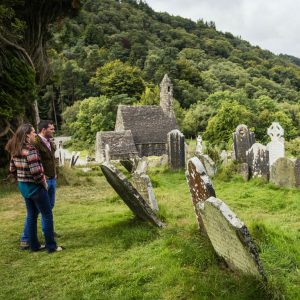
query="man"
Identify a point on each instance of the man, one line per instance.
(45, 146)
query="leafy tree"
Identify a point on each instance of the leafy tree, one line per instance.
(150, 96)
(95, 114)
(220, 127)
(116, 78)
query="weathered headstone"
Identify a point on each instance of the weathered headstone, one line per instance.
(199, 147)
(200, 185)
(258, 161)
(224, 157)
(230, 237)
(297, 172)
(208, 164)
(283, 172)
(243, 170)
(129, 194)
(243, 139)
(276, 146)
(176, 150)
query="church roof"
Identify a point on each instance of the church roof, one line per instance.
(148, 123)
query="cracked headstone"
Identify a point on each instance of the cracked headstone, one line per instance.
(176, 150)
(258, 161)
(200, 185)
(230, 237)
(243, 139)
(130, 195)
(283, 172)
(276, 146)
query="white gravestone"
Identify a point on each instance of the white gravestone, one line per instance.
(276, 146)
(230, 237)
(199, 147)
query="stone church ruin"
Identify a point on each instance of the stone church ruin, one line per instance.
(144, 128)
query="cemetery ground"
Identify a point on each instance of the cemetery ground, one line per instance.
(111, 255)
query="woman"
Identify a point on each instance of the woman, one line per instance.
(26, 165)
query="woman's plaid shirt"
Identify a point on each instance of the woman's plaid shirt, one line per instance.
(27, 167)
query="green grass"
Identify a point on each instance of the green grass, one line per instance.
(111, 255)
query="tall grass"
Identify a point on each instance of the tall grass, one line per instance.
(111, 255)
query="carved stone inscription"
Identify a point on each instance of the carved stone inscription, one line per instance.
(129, 194)
(230, 237)
(200, 185)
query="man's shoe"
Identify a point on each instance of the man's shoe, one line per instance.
(57, 249)
(24, 245)
(41, 248)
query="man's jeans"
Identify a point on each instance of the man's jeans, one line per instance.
(39, 202)
(51, 198)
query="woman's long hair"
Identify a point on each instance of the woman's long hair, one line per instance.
(16, 143)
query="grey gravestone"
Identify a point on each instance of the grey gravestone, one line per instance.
(243, 139)
(208, 164)
(200, 185)
(224, 157)
(230, 237)
(176, 150)
(276, 146)
(283, 172)
(297, 172)
(143, 185)
(243, 170)
(258, 161)
(129, 194)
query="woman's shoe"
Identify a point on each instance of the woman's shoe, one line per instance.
(24, 245)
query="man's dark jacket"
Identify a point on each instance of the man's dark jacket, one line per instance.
(47, 157)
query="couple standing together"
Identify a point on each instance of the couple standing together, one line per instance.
(33, 164)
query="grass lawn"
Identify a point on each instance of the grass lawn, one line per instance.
(111, 255)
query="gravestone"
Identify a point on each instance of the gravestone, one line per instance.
(129, 194)
(208, 164)
(258, 161)
(230, 237)
(176, 150)
(243, 139)
(199, 147)
(276, 146)
(200, 185)
(243, 170)
(143, 184)
(224, 157)
(283, 172)
(297, 172)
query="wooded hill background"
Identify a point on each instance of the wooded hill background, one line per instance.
(116, 52)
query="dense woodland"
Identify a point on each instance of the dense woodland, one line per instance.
(116, 52)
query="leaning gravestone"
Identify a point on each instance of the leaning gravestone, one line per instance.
(276, 146)
(243, 139)
(230, 237)
(200, 185)
(176, 150)
(297, 172)
(129, 194)
(283, 172)
(258, 161)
